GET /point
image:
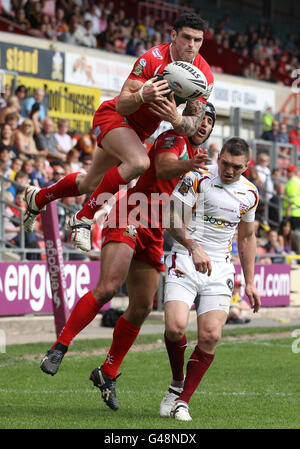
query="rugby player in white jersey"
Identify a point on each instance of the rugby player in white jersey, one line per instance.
(216, 202)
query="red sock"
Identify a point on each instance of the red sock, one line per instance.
(124, 336)
(176, 356)
(61, 189)
(197, 366)
(83, 313)
(110, 183)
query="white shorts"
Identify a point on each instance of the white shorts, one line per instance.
(184, 283)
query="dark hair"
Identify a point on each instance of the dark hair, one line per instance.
(236, 147)
(189, 19)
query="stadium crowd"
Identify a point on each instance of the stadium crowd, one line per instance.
(34, 150)
(100, 24)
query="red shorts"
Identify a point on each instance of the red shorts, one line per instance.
(146, 243)
(107, 118)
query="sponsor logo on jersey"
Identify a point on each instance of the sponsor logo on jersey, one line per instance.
(185, 186)
(97, 131)
(229, 283)
(156, 53)
(139, 68)
(217, 186)
(243, 209)
(220, 222)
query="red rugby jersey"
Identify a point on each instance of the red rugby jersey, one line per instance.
(148, 66)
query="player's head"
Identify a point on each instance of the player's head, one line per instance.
(206, 126)
(233, 160)
(187, 36)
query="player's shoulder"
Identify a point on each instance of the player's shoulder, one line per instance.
(202, 64)
(157, 53)
(169, 137)
(247, 185)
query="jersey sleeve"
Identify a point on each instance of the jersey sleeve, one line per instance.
(143, 68)
(187, 189)
(249, 216)
(170, 143)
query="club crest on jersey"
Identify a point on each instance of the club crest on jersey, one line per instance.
(243, 209)
(130, 231)
(229, 283)
(179, 273)
(185, 185)
(168, 142)
(156, 53)
(139, 68)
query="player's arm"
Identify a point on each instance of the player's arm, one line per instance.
(179, 216)
(168, 166)
(185, 125)
(247, 251)
(135, 92)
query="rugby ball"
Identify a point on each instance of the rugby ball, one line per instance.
(185, 79)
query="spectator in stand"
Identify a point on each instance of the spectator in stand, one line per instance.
(267, 75)
(94, 14)
(21, 93)
(273, 247)
(34, 104)
(12, 121)
(86, 163)
(106, 40)
(21, 20)
(63, 138)
(22, 179)
(272, 135)
(7, 140)
(25, 141)
(35, 16)
(88, 38)
(12, 107)
(75, 34)
(283, 134)
(28, 168)
(294, 136)
(16, 166)
(265, 184)
(73, 160)
(5, 161)
(47, 143)
(87, 144)
(4, 96)
(291, 199)
(61, 25)
(39, 176)
(285, 236)
(213, 152)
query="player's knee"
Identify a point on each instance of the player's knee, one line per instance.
(140, 165)
(209, 337)
(107, 291)
(175, 332)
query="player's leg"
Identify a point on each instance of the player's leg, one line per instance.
(142, 283)
(119, 143)
(212, 315)
(176, 320)
(115, 262)
(74, 184)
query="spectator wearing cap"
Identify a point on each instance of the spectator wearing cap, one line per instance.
(294, 136)
(239, 308)
(291, 198)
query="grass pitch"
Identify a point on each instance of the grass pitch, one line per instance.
(253, 383)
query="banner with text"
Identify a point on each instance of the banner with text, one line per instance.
(25, 286)
(272, 282)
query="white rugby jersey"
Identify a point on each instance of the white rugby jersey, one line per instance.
(217, 210)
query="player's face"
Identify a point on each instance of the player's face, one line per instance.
(203, 131)
(186, 43)
(231, 167)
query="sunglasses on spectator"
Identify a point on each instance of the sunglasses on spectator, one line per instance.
(87, 163)
(59, 173)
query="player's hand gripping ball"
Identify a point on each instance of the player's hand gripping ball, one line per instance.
(186, 80)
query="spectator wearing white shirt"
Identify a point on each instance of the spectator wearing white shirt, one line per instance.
(63, 138)
(266, 186)
(94, 16)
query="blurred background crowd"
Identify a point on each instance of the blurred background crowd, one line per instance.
(35, 150)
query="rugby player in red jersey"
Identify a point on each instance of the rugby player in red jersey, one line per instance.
(123, 124)
(135, 254)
